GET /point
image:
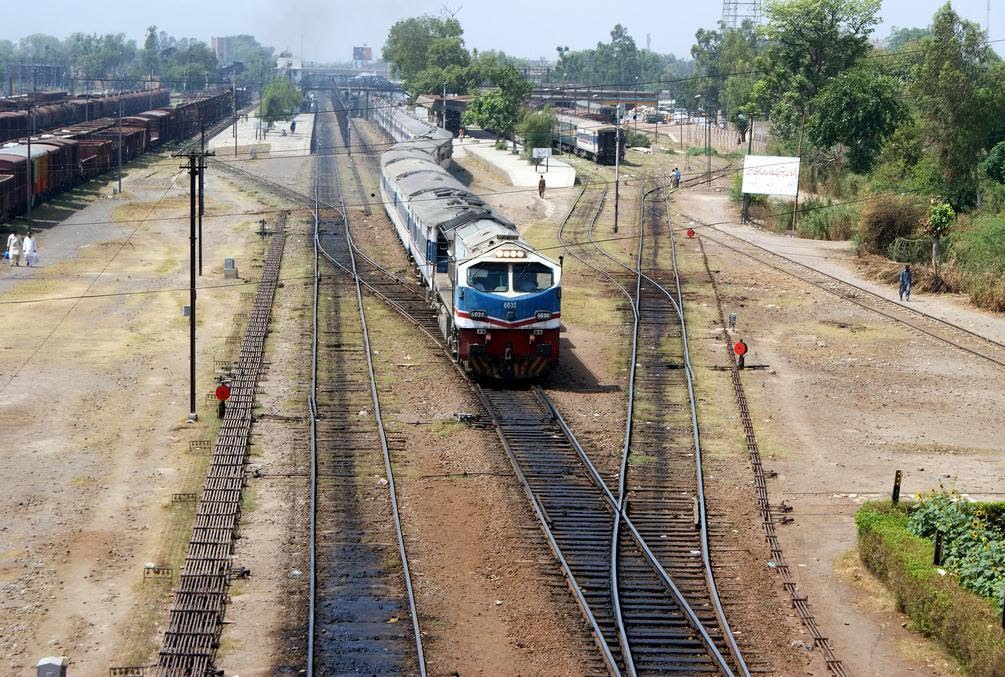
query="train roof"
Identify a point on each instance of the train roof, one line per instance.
(434, 195)
(585, 123)
(417, 128)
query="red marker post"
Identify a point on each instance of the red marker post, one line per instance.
(740, 349)
(690, 233)
(222, 394)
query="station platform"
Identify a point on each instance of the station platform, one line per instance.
(273, 143)
(514, 168)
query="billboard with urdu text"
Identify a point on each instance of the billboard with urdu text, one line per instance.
(770, 175)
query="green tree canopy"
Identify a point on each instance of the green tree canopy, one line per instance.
(280, 99)
(859, 109)
(618, 62)
(809, 42)
(954, 94)
(536, 129)
(409, 42)
(499, 109)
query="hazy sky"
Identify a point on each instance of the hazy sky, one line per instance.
(329, 29)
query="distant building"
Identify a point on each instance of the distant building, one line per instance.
(290, 66)
(222, 48)
(538, 72)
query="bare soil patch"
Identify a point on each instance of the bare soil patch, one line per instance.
(95, 393)
(847, 399)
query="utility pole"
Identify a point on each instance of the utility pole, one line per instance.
(617, 161)
(750, 149)
(120, 144)
(31, 165)
(444, 105)
(202, 172)
(799, 152)
(195, 168)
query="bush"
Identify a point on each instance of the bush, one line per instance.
(978, 257)
(886, 218)
(638, 140)
(973, 548)
(823, 220)
(502, 144)
(964, 622)
(700, 150)
(905, 250)
(994, 165)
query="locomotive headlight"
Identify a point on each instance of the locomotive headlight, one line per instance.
(512, 254)
(542, 315)
(478, 314)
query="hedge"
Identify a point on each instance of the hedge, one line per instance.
(966, 624)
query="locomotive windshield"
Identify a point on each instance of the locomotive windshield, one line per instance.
(489, 277)
(494, 277)
(531, 277)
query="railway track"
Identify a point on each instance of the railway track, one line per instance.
(195, 621)
(359, 580)
(632, 604)
(641, 621)
(937, 329)
(659, 483)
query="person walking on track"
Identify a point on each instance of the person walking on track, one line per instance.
(905, 283)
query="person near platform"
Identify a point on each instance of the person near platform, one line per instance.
(29, 249)
(540, 187)
(14, 249)
(905, 283)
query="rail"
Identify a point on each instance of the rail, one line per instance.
(937, 328)
(349, 265)
(196, 617)
(799, 602)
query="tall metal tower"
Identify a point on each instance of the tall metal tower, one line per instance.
(735, 12)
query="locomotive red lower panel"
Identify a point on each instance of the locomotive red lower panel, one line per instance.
(508, 353)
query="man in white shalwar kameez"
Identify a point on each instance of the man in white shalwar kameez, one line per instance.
(29, 249)
(14, 249)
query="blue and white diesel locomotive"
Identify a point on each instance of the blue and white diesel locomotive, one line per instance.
(498, 300)
(588, 138)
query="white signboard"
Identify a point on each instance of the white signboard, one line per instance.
(770, 175)
(539, 153)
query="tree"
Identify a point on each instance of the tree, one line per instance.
(150, 57)
(498, 110)
(994, 165)
(537, 128)
(280, 99)
(409, 42)
(859, 109)
(810, 42)
(940, 218)
(952, 90)
(904, 38)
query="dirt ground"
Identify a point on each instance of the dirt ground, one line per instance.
(94, 395)
(95, 392)
(847, 399)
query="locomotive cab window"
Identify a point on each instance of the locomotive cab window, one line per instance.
(531, 277)
(489, 277)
